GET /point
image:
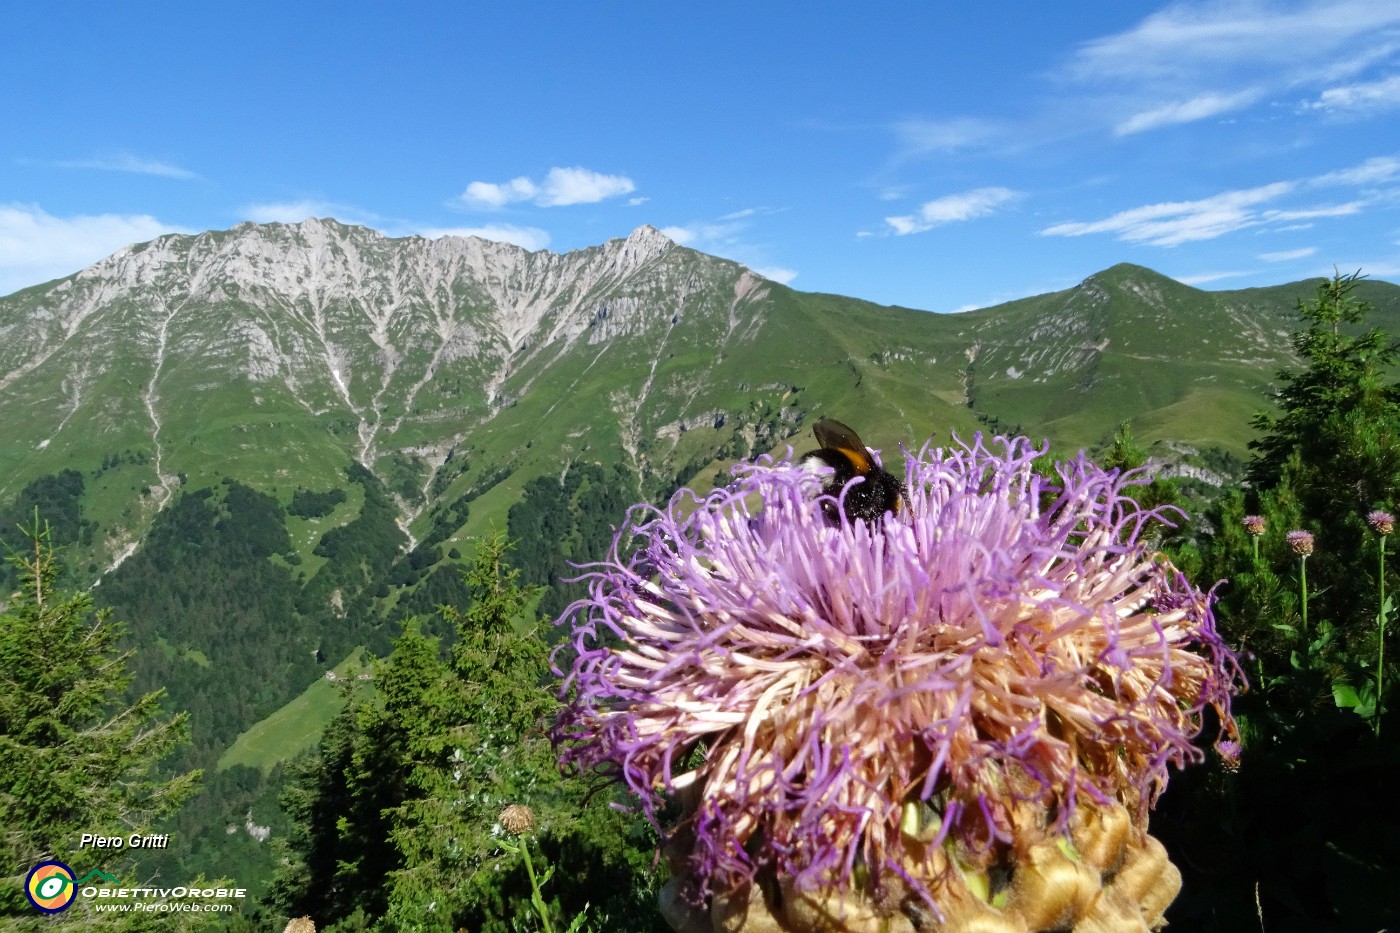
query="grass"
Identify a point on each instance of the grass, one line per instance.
(296, 727)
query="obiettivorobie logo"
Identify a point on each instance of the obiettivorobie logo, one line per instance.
(51, 886)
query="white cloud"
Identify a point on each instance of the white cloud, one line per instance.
(294, 212)
(777, 274)
(710, 237)
(1330, 210)
(1174, 223)
(1286, 255)
(1182, 39)
(486, 194)
(530, 238)
(636, 202)
(681, 236)
(1204, 277)
(1170, 67)
(564, 186)
(1372, 171)
(919, 137)
(560, 187)
(126, 162)
(1371, 96)
(35, 246)
(1188, 111)
(726, 236)
(952, 208)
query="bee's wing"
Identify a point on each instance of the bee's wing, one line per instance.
(834, 435)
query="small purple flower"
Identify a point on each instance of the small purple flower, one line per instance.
(1002, 649)
(1382, 523)
(1301, 542)
(1254, 524)
(1229, 752)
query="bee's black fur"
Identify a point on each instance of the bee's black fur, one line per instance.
(842, 450)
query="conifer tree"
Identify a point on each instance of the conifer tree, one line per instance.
(1302, 613)
(76, 756)
(480, 745)
(396, 821)
(1334, 444)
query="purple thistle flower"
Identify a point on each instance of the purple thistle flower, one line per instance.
(1229, 752)
(1301, 542)
(1382, 523)
(1003, 648)
(1254, 524)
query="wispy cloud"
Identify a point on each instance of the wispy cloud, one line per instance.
(1367, 97)
(126, 162)
(529, 238)
(1204, 277)
(1373, 171)
(1199, 107)
(726, 236)
(951, 209)
(1288, 254)
(1179, 40)
(559, 188)
(916, 137)
(1176, 222)
(36, 246)
(1194, 49)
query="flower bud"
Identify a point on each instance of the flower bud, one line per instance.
(1254, 524)
(835, 909)
(1112, 913)
(516, 819)
(1382, 523)
(1050, 890)
(1148, 878)
(1101, 834)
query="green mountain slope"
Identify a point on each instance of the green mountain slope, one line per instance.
(280, 355)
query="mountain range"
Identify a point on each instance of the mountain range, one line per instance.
(280, 354)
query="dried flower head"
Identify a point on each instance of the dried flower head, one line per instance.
(1254, 524)
(1382, 523)
(517, 819)
(1301, 542)
(1002, 650)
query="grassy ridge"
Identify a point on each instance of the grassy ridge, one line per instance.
(296, 727)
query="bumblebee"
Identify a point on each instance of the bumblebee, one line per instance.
(842, 450)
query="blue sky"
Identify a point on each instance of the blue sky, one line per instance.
(933, 155)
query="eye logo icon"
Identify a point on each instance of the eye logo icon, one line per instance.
(50, 887)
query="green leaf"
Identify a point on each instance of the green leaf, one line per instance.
(1345, 696)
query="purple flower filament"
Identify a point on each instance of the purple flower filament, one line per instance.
(1002, 649)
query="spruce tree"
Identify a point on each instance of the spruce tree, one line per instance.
(76, 755)
(1303, 618)
(396, 821)
(1334, 444)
